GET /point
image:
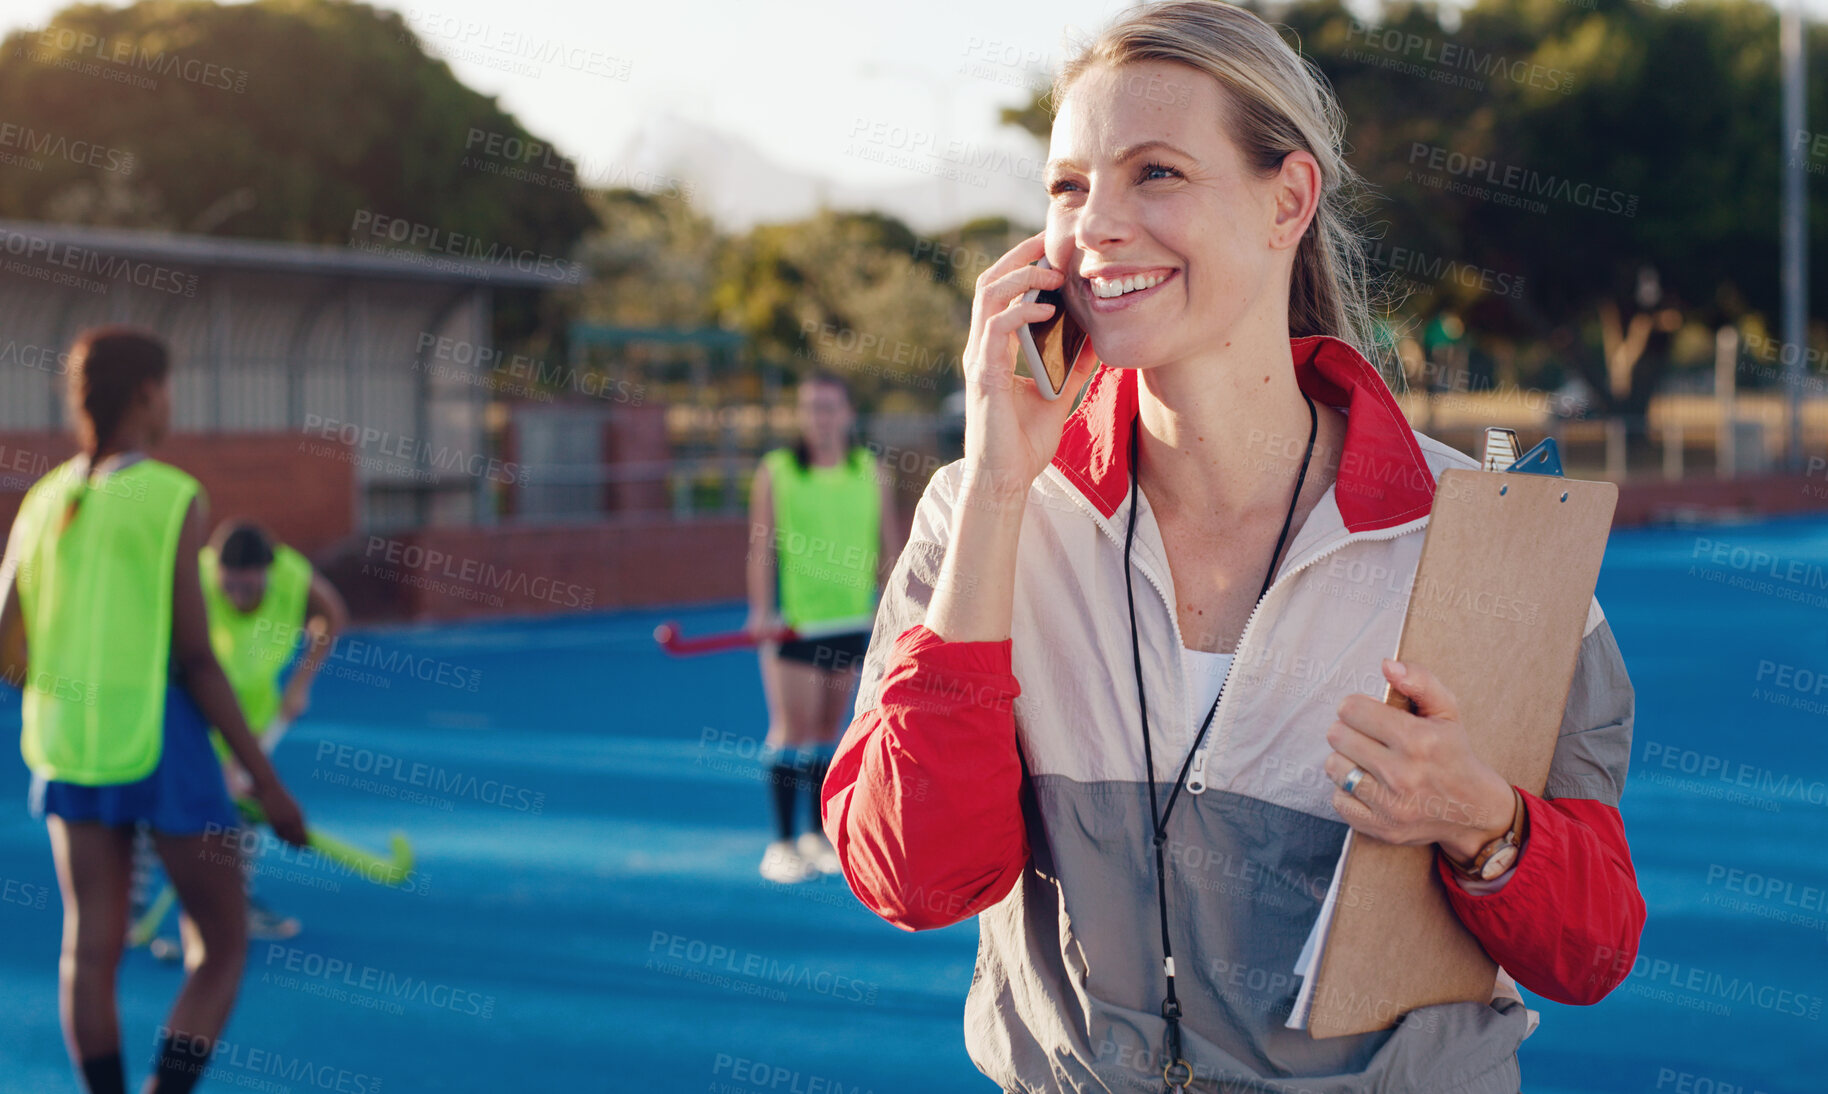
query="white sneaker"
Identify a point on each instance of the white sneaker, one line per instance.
(783, 865)
(818, 851)
(266, 925)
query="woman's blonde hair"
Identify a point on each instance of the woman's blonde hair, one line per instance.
(1277, 102)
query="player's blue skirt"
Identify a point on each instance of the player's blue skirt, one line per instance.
(183, 796)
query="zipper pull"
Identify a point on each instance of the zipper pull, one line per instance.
(1196, 775)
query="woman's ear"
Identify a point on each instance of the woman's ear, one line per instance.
(1296, 194)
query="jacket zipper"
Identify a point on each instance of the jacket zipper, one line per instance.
(1214, 735)
(1196, 774)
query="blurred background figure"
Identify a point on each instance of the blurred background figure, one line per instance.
(264, 599)
(822, 516)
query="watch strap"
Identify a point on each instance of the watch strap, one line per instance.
(1512, 837)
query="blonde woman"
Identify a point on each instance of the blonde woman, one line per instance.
(1118, 698)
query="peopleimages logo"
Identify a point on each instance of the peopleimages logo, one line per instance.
(1449, 55)
(382, 442)
(1525, 181)
(38, 358)
(749, 965)
(1744, 776)
(378, 765)
(1704, 989)
(24, 894)
(256, 1067)
(749, 1076)
(429, 562)
(83, 260)
(280, 639)
(367, 984)
(131, 59)
(413, 241)
(54, 146)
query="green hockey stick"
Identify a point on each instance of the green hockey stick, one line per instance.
(390, 869)
(385, 870)
(147, 926)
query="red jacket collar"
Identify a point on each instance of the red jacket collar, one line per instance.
(1383, 479)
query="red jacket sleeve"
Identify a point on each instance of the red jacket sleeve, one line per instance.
(923, 798)
(1566, 925)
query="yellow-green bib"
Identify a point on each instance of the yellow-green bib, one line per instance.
(255, 647)
(96, 597)
(827, 530)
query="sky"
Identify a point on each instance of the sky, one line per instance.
(796, 86)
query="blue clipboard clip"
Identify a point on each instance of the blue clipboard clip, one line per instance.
(1501, 454)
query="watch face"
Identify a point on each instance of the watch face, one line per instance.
(1499, 862)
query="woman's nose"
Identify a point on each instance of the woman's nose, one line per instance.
(1104, 220)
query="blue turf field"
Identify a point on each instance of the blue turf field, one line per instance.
(593, 806)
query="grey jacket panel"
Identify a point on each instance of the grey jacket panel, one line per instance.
(1069, 984)
(1595, 744)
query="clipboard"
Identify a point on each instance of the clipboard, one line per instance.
(1497, 613)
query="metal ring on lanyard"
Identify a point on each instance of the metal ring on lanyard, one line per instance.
(1176, 1072)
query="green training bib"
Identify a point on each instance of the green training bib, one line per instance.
(96, 597)
(827, 531)
(255, 647)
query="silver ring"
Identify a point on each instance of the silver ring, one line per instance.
(1352, 779)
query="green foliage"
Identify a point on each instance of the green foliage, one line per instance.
(1614, 137)
(654, 263)
(279, 119)
(850, 293)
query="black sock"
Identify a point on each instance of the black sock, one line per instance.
(815, 782)
(182, 1061)
(784, 782)
(104, 1075)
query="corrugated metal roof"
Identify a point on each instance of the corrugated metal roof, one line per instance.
(177, 249)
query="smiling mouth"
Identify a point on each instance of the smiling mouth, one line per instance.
(1118, 288)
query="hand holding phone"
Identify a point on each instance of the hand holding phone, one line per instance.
(1013, 425)
(1053, 345)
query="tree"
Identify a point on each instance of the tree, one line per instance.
(851, 293)
(653, 264)
(279, 119)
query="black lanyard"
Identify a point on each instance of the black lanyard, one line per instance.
(1176, 1072)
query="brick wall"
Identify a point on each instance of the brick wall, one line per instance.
(1763, 495)
(455, 573)
(307, 501)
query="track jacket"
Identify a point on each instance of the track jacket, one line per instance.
(1005, 780)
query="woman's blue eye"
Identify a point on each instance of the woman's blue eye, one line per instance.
(1149, 173)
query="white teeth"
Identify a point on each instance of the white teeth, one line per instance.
(1107, 290)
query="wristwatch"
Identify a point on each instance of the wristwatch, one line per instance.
(1500, 854)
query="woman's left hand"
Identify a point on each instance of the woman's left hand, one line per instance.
(1422, 781)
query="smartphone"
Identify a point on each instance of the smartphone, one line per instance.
(1053, 345)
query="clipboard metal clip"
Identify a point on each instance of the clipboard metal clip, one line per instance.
(1501, 454)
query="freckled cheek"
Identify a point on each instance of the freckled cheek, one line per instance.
(1058, 244)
